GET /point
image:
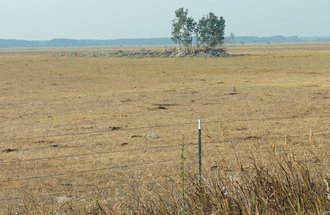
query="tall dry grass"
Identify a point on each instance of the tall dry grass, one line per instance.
(287, 186)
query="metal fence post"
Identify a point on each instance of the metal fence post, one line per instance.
(200, 149)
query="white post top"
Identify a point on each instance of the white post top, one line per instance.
(199, 124)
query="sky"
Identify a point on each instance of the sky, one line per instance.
(110, 19)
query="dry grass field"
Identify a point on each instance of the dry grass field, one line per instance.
(80, 130)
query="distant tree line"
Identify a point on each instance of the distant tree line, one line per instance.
(209, 31)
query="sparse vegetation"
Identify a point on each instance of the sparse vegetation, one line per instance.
(83, 135)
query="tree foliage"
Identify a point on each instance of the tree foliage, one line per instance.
(183, 28)
(211, 30)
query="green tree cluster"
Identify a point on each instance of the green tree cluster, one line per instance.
(183, 28)
(209, 31)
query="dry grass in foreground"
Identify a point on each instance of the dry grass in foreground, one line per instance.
(286, 187)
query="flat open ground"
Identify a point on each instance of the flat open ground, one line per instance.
(81, 129)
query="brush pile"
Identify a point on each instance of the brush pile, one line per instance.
(143, 53)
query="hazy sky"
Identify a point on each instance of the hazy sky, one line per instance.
(109, 19)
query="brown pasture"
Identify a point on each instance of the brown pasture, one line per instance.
(84, 129)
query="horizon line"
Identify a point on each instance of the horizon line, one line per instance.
(165, 37)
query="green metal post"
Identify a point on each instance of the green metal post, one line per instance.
(200, 150)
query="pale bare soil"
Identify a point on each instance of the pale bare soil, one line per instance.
(86, 129)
